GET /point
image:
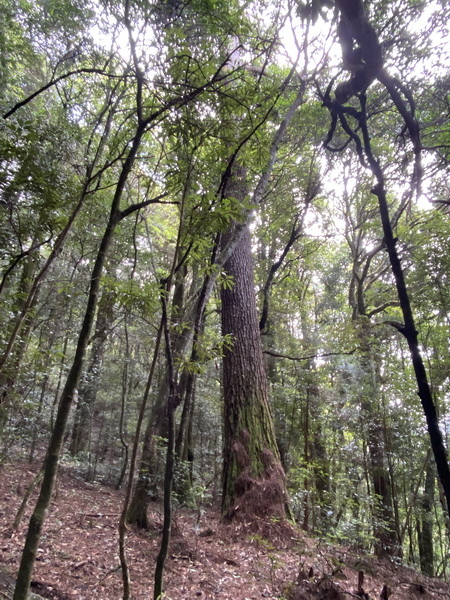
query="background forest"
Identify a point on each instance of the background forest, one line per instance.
(207, 211)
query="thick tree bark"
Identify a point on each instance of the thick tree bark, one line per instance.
(253, 478)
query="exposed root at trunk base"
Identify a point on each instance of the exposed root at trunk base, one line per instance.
(259, 500)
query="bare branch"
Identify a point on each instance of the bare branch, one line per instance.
(134, 207)
(311, 356)
(53, 82)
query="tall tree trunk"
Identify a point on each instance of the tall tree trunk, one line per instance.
(253, 478)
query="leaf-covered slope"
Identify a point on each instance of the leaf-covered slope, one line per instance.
(78, 558)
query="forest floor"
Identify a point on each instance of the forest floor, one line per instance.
(78, 557)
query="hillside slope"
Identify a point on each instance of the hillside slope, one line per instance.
(78, 559)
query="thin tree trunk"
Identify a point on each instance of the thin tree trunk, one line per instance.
(9, 371)
(174, 398)
(123, 403)
(108, 110)
(87, 392)
(172, 403)
(385, 531)
(36, 480)
(306, 482)
(425, 533)
(62, 368)
(36, 425)
(146, 488)
(148, 484)
(362, 31)
(320, 462)
(409, 331)
(53, 453)
(133, 459)
(39, 277)
(183, 446)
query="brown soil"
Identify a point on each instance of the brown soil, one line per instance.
(78, 558)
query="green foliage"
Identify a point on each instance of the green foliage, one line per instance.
(135, 297)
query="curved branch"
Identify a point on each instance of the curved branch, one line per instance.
(134, 207)
(53, 82)
(408, 115)
(18, 258)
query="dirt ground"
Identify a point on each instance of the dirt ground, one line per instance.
(78, 556)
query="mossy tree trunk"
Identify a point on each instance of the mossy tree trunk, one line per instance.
(253, 478)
